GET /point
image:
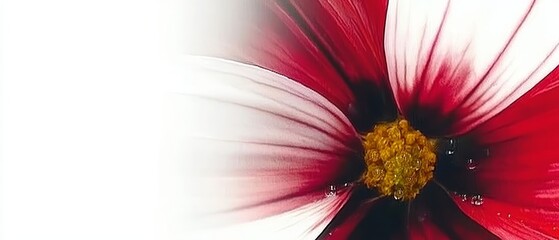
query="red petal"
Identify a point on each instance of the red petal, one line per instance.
(522, 171)
(425, 230)
(455, 64)
(245, 143)
(509, 221)
(349, 33)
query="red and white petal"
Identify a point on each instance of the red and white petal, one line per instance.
(454, 64)
(279, 43)
(305, 222)
(344, 225)
(521, 175)
(243, 143)
(333, 47)
(345, 230)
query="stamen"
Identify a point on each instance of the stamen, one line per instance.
(400, 160)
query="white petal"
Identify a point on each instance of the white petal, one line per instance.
(242, 143)
(469, 58)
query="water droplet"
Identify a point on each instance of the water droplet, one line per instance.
(398, 192)
(422, 217)
(498, 214)
(477, 200)
(331, 191)
(487, 152)
(463, 197)
(451, 147)
(471, 164)
(554, 228)
(351, 108)
(508, 215)
(452, 143)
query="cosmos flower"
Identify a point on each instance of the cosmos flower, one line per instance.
(376, 120)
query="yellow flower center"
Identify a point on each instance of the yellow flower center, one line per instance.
(400, 160)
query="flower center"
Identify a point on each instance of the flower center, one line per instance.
(400, 160)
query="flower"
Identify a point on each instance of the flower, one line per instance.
(276, 132)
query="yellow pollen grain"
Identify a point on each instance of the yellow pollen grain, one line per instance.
(400, 160)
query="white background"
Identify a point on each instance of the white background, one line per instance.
(80, 122)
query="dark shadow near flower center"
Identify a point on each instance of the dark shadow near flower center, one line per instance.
(374, 102)
(383, 221)
(354, 167)
(456, 161)
(430, 120)
(435, 207)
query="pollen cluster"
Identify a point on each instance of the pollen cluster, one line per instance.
(400, 160)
